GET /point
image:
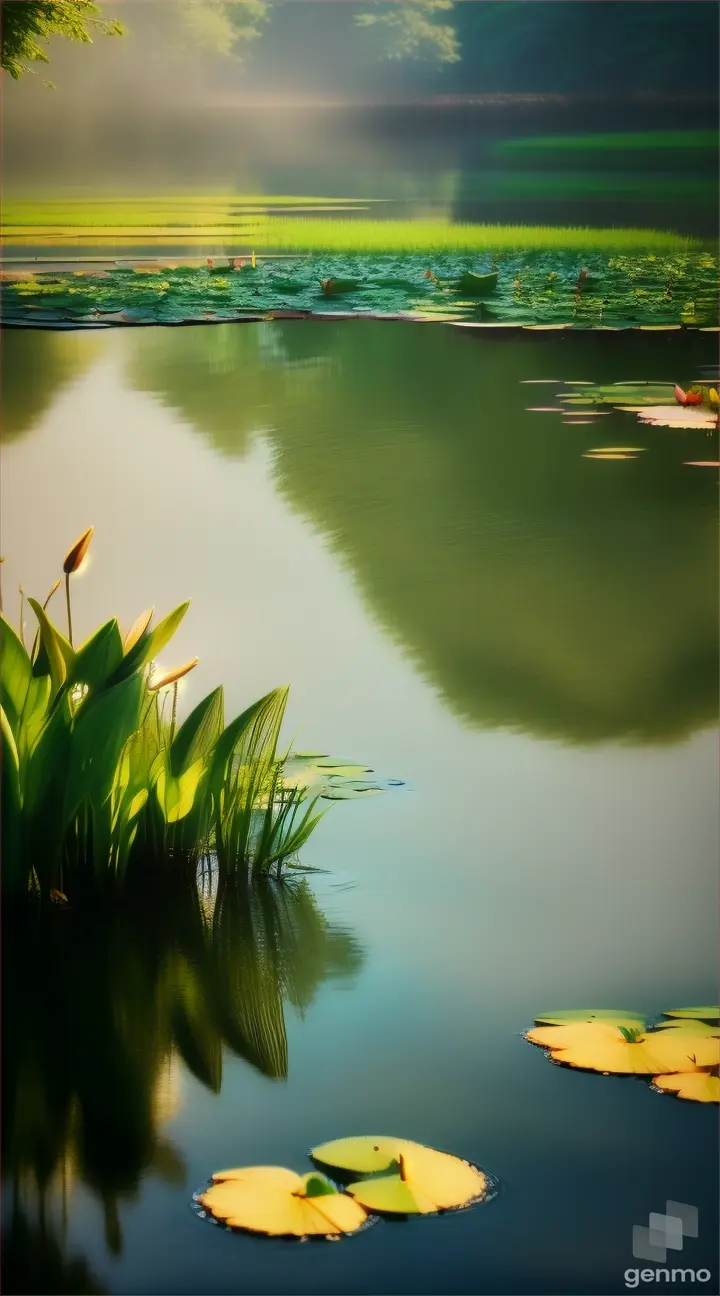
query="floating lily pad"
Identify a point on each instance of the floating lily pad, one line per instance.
(611, 1016)
(333, 778)
(697, 1086)
(689, 1026)
(278, 1202)
(680, 416)
(704, 1013)
(626, 1050)
(364, 1154)
(422, 1182)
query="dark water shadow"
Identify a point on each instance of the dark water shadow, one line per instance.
(102, 1012)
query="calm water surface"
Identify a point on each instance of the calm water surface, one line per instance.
(528, 638)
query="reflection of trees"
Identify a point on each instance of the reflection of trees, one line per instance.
(34, 1261)
(99, 1010)
(36, 365)
(536, 589)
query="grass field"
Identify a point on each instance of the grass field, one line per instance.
(616, 142)
(232, 224)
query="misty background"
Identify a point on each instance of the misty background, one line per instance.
(402, 101)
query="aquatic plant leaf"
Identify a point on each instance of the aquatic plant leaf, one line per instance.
(100, 733)
(137, 629)
(57, 669)
(622, 394)
(600, 1047)
(349, 791)
(16, 868)
(696, 1086)
(15, 674)
(675, 416)
(271, 1200)
(44, 821)
(34, 715)
(364, 1154)
(424, 1181)
(199, 732)
(689, 1026)
(98, 657)
(707, 1012)
(151, 643)
(611, 1016)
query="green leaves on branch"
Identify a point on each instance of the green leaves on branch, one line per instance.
(28, 26)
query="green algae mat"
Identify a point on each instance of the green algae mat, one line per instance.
(548, 288)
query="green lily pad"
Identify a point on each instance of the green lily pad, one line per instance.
(608, 1016)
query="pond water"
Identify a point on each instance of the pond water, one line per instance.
(379, 515)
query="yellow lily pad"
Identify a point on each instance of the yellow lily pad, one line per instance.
(366, 1154)
(423, 1182)
(697, 1086)
(623, 1051)
(280, 1203)
(704, 1013)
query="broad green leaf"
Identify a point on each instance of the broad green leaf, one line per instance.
(98, 657)
(101, 731)
(198, 734)
(176, 795)
(15, 674)
(34, 716)
(57, 668)
(44, 821)
(14, 863)
(40, 662)
(151, 643)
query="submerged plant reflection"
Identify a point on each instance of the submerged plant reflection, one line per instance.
(111, 1007)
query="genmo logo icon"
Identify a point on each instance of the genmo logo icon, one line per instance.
(663, 1233)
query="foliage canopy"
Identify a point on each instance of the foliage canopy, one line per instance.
(28, 26)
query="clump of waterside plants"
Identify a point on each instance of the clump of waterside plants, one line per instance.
(101, 786)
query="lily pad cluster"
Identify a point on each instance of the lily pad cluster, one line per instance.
(399, 1177)
(558, 288)
(659, 404)
(681, 1054)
